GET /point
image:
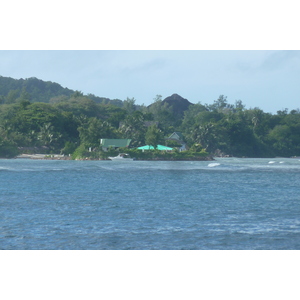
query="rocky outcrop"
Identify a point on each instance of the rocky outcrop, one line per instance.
(178, 104)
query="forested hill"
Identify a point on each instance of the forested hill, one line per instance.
(70, 121)
(36, 90)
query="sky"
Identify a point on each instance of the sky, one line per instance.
(268, 79)
(246, 51)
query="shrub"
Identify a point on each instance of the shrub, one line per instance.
(81, 152)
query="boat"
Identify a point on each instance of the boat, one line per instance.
(121, 156)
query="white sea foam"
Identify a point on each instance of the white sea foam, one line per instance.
(212, 165)
(272, 162)
(5, 168)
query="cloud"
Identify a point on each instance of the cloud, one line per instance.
(144, 68)
(276, 60)
(256, 77)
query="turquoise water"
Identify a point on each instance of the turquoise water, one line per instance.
(229, 203)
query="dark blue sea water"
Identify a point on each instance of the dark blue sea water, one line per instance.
(229, 203)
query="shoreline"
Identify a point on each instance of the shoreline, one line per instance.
(43, 156)
(64, 157)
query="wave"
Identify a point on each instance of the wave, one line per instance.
(26, 169)
(212, 165)
(5, 169)
(219, 165)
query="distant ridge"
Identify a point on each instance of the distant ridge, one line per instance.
(38, 90)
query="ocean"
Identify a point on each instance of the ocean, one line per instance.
(226, 204)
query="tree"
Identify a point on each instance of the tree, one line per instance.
(47, 136)
(280, 139)
(154, 136)
(7, 148)
(220, 105)
(191, 116)
(133, 128)
(91, 132)
(239, 106)
(25, 96)
(129, 105)
(58, 99)
(77, 94)
(69, 148)
(241, 139)
(163, 114)
(12, 96)
(205, 134)
(79, 105)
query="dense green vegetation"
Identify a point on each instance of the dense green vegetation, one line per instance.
(36, 90)
(71, 123)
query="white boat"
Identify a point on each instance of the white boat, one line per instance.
(121, 156)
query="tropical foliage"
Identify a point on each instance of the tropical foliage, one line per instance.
(72, 123)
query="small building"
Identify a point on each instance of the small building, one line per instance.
(114, 143)
(178, 138)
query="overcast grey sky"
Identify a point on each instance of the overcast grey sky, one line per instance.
(269, 80)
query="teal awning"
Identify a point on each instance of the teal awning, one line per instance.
(159, 147)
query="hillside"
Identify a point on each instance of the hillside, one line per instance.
(72, 123)
(36, 90)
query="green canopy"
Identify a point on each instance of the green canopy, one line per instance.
(159, 147)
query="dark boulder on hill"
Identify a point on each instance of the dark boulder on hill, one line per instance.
(178, 104)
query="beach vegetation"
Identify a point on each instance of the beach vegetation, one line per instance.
(43, 117)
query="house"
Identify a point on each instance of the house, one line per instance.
(114, 143)
(178, 138)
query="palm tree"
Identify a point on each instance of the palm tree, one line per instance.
(154, 136)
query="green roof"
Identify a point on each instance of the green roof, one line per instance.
(116, 143)
(159, 147)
